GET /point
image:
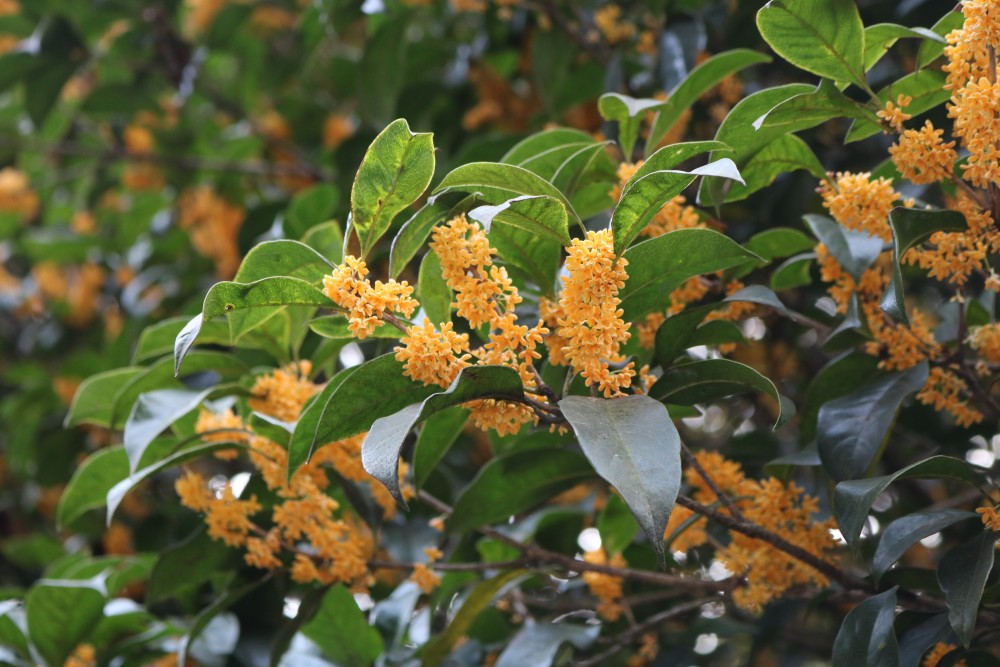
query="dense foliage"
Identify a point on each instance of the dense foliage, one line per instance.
(499, 332)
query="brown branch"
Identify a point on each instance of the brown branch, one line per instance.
(719, 493)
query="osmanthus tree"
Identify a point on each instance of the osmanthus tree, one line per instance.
(541, 452)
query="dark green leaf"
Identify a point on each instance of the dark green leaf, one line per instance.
(616, 525)
(90, 403)
(153, 413)
(412, 235)
(538, 644)
(327, 239)
(962, 574)
(633, 444)
(710, 379)
(497, 183)
(900, 535)
(853, 250)
(852, 430)
(380, 451)
(61, 613)
(911, 227)
(516, 482)
(657, 266)
(435, 651)
(433, 291)
(341, 630)
(90, 484)
(779, 242)
(190, 562)
(930, 50)
(437, 436)
(700, 80)
(826, 38)
(395, 171)
(838, 378)
(347, 406)
(811, 109)
(866, 636)
(717, 332)
(785, 154)
(853, 498)
(760, 295)
(336, 327)
(794, 272)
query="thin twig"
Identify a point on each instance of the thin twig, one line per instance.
(719, 493)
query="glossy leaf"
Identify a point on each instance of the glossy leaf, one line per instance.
(710, 379)
(616, 525)
(880, 37)
(153, 413)
(926, 87)
(91, 481)
(931, 50)
(536, 215)
(411, 236)
(90, 403)
(962, 574)
(902, 533)
(811, 109)
(517, 482)
(852, 430)
(853, 498)
(853, 250)
(380, 451)
(674, 335)
(699, 81)
(839, 377)
(794, 272)
(432, 290)
(159, 338)
(336, 328)
(436, 438)
(538, 644)
(911, 227)
(283, 258)
(341, 630)
(866, 636)
(785, 154)
(395, 171)
(826, 38)
(658, 265)
(307, 209)
(635, 447)
(628, 113)
(188, 563)
(62, 613)
(497, 183)
(226, 297)
(347, 406)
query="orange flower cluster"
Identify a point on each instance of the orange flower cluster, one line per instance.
(78, 287)
(605, 587)
(367, 305)
(990, 517)
(16, 195)
(337, 128)
(201, 14)
(213, 224)
(893, 115)
(431, 356)
(283, 393)
(591, 321)
(784, 510)
(946, 391)
(609, 22)
(940, 650)
(423, 575)
(860, 203)
(986, 341)
(922, 156)
(214, 427)
(83, 655)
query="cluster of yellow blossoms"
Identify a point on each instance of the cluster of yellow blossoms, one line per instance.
(605, 587)
(367, 304)
(16, 194)
(324, 541)
(782, 509)
(213, 224)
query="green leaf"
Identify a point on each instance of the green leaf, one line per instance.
(616, 525)
(90, 403)
(47, 82)
(962, 574)
(925, 86)
(436, 438)
(212, 614)
(839, 377)
(516, 482)
(433, 291)
(628, 112)
(710, 379)
(153, 413)
(536, 215)
(760, 295)
(159, 338)
(784, 155)
(395, 171)
(737, 131)
(932, 50)
(538, 644)
(341, 630)
(853, 498)
(717, 332)
(674, 335)
(911, 227)
(380, 451)
(880, 37)
(227, 297)
(794, 272)
(543, 152)
(699, 81)
(657, 266)
(644, 198)
(851, 430)
(633, 444)
(866, 636)
(901, 534)
(411, 236)
(826, 38)
(436, 650)
(853, 250)
(336, 327)
(327, 239)
(91, 481)
(532, 257)
(61, 613)
(308, 209)
(779, 242)
(811, 109)
(187, 563)
(347, 406)
(669, 157)
(497, 183)
(283, 258)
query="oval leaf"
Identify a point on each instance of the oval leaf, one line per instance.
(866, 636)
(900, 535)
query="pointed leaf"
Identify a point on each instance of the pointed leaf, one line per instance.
(380, 451)
(537, 215)
(880, 37)
(411, 236)
(628, 113)
(852, 429)
(853, 498)
(901, 534)
(90, 403)
(866, 636)
(811, 109)
(496, 183)
(931, 51)
(436, 438)
(62, 613)
(342, 632)
(853, 250)
(395, 171)
(962, 574)
(539, 643)
(633, 444)
(784, 155)
(90, 484)
(283, 258)
(826, 38)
